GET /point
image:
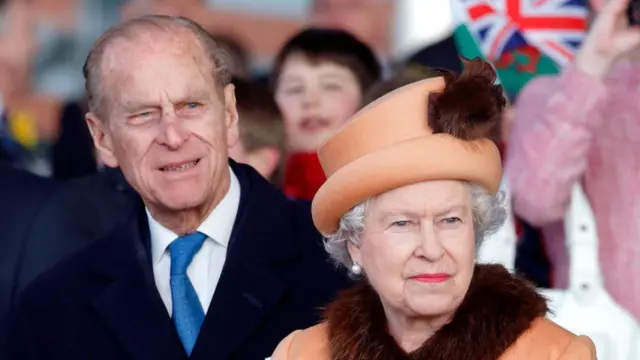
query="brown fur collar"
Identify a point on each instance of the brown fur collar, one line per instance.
(497, 309)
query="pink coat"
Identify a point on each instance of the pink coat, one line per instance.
(574, 127)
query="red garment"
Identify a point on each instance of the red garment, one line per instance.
(303, 176)
(574, 127)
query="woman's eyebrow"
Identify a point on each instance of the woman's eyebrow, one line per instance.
(451, 209)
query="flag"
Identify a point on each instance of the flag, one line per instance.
(522, 38)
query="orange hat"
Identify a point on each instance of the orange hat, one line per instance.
(433, 129)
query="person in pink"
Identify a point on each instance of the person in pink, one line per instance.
(584, 126)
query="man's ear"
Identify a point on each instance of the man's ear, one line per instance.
(265, 160)
(231, 115)
(101, 139)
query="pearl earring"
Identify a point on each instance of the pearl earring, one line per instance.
(356, 269)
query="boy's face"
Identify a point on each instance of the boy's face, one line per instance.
(316, 99)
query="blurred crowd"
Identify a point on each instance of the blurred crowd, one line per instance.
(57, 194)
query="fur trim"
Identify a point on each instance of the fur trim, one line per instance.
(497, 309)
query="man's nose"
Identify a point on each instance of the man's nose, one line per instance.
(172, 132)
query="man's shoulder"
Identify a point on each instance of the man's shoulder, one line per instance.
(68, 275)
(288, 221)
(84, 209)
(268, 202)
(308, 239)
(19, 186)
(301, 219)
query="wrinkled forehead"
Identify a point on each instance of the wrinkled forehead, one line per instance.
(147, 64)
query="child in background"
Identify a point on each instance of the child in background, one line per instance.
(262, 140)
(318, 81)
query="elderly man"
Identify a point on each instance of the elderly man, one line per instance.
(214, 263)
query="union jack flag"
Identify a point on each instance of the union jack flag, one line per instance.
(555, 27)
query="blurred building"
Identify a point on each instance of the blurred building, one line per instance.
(69, 27)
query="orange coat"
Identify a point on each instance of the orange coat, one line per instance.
(501, 318)
(543, 341)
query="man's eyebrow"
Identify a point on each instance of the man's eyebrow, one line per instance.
(133, 106)
(192, 97)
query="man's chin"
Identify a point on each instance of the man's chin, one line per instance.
(181, 200)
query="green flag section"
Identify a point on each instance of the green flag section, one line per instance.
(514, 68)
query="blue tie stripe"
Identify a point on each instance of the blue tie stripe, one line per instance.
(187, 310)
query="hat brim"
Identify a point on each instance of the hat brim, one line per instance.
(435, 157)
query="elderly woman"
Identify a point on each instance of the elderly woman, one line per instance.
(412, 190)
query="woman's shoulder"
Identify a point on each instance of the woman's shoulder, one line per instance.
(546, 340)
(308, 344)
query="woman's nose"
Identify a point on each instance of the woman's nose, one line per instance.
(430, 246)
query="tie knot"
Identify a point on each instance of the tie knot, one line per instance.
(183, 249)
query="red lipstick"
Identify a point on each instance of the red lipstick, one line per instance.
(431, 278)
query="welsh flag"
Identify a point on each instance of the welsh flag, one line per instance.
(522, 38)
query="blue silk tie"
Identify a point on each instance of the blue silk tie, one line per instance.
(187, 310)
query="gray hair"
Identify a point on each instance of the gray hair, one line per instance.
(489, 213)
(170, 24)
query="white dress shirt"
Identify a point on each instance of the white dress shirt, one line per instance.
(206, 267)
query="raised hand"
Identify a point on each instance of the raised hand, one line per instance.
(609, 38)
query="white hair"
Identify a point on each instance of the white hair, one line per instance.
(489, 213)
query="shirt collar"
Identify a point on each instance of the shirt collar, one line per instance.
(217, 226)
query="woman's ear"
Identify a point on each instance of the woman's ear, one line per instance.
(354, 252)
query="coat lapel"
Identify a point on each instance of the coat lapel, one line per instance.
(249, 288)
(244, 296)
(130, 305)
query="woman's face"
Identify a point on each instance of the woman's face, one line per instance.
(417, 249)
(315, 99)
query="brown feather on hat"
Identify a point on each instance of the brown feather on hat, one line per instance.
(470, 106)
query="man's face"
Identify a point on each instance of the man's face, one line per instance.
(164, 122)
